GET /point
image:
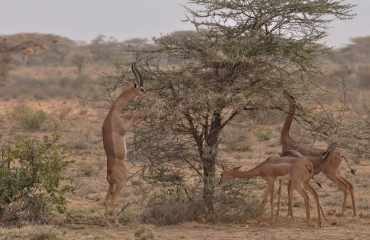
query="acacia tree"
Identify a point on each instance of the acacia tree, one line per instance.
(80, 59)
(240, 58)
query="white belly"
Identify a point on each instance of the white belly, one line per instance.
(124, 146)
(285, 177)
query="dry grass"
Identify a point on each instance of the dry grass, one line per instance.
(41, 232)
(80, 126)
(43, 83)
(144, 233)
(45, 73)
(171, 211)
(236, 139)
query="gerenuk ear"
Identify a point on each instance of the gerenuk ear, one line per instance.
(137, 75)
(236, 168)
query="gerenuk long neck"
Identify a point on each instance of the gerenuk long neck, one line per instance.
(246, 174)
(122, 100)
(285, 136)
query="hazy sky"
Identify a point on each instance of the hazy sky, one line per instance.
(125, 19)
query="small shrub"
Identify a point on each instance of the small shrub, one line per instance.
(171, 207)
(297, 204)
(88, 171)
(236, 139)
(28, 118)
(364, 215)
(79, 143)
(243, 146)
(264, 135)
(144, 233)
(30, 180)
(85, 189)
(237, 203)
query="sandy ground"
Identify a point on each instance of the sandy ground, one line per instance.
(346, 228)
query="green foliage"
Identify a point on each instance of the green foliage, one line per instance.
(28, 118)
(171, 206)
(241, 58)
(31, 179)
(264, 135)
(238, 202)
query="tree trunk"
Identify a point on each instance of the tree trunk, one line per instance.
(209, 167)
(209, 156)
(79, 69)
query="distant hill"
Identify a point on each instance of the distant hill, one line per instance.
(351, 62)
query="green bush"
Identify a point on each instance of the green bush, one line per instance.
(30, 179)
(237, 202)
(28, 118)
(264, 135)
(170, 206)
